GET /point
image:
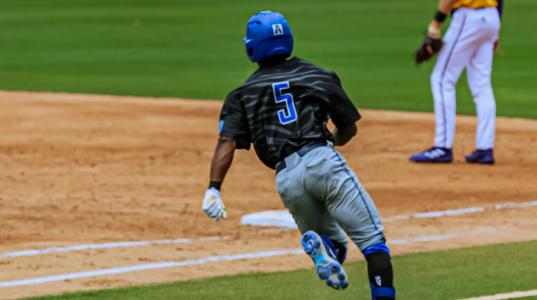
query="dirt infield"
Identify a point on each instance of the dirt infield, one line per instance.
(79, 169)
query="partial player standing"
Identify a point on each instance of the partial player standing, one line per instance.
(283, 109)
(468, 44)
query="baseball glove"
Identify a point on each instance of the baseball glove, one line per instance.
(428, 49)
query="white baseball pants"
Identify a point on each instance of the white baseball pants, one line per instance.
(468, 44)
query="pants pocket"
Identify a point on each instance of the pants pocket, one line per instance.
(315, 162)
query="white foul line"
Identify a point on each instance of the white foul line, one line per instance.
(513, 295)
(127, 244)
(447, 213)
(282, 218)
(427, 238)
(186, 263)
(515, 205)
(150, 266)
(462, 211)
(35, 252)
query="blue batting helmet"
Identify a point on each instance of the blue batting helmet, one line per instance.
(268, 34)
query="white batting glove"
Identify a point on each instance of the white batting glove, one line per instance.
(213, 205)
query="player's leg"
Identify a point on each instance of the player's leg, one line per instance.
(479, 71)
(452, 59)
(479, 74)
(356, 213)
(451, 62)
(322, 238)
(313, 176)
(330, 232)
(380, 273)
(353, 209)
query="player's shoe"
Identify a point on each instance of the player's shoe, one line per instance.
(433, 155)
(326, 264)
(481, 157)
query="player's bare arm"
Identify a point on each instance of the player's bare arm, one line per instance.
(343, 135)
(433, 39)
(469, 44)
(212, 204)
(222, 159)
(444, 8)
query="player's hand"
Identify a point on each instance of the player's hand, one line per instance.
(431, 45)
(428, 48)
(433, 31)
(213, 205)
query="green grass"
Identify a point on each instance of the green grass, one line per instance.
(193, 48)
(438, 275)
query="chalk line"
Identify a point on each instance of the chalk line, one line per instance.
(150, 266)
(427, 238)
(513, 295)
(81, 247)
(462, 211)
(282, 218)
(515, 205)
(268, 219)
(448, 213)
(192, 262)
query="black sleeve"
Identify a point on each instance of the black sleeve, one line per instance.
(500, 8)
(342, 111)
(233, 123)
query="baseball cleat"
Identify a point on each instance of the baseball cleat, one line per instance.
(326, 264)
(433, 155)
(481, 157)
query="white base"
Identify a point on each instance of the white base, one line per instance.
(270, 218)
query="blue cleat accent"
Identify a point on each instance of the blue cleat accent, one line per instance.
(485, 157)
(336, 249)
(433, 155)
(326, 264)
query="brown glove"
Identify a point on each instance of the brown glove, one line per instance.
(428, 49)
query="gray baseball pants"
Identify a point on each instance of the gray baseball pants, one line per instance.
(323, 194)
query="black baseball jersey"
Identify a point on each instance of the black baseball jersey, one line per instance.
(286, 104)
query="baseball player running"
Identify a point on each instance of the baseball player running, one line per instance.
(283, 109)
(468, 44)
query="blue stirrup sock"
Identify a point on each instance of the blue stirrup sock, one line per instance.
(381, 293)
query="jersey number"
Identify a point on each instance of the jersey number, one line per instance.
(287, 115)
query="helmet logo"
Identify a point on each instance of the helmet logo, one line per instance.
(277, 29)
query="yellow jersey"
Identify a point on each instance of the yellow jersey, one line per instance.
(475, 3)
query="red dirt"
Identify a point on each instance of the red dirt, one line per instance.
(90, 169)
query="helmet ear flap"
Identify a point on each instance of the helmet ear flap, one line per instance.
(250, 47)
(273, 47)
